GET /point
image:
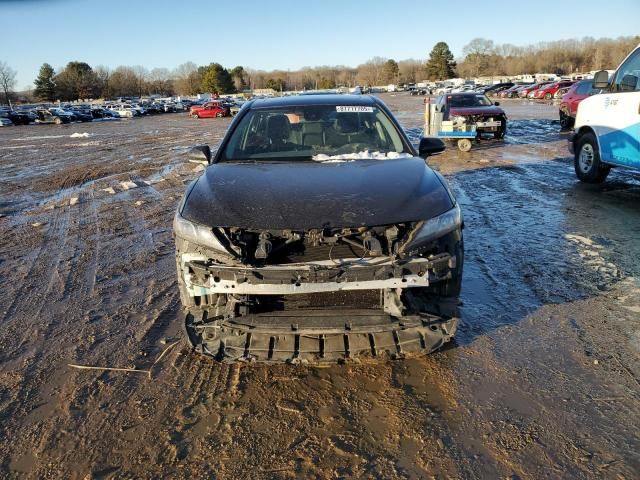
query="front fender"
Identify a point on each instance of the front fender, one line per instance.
(575, 138)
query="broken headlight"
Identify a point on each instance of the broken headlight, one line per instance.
(434, 228)
(196, 233)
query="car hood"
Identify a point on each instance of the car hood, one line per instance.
(476, 111)
(308, 195)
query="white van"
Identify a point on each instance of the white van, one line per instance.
(607, 127)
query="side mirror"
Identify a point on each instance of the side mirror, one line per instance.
(497, 104)
(430, 146)
(601, 80)
(200, 153)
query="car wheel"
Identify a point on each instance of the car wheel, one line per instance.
(566, 120)
(58, 121)
(219, 114)
(195, 115)
(588, 166)
(548, 96)
(502, 130)
(464, 144)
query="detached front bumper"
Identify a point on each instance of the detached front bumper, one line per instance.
(204, 278)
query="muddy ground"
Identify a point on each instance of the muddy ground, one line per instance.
(542, 381)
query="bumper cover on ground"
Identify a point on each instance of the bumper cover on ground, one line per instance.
(317, 335)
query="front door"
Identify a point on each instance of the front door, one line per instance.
(619, 130)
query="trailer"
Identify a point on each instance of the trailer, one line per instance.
(434, 126)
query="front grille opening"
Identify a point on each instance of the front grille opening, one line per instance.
(354, 299)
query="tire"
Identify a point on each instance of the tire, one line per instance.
(566, 120)
(464, 144)
(195, 115)
(219, 114)
(548, 96)
(587, 164)
(499, 135)
(58, 121)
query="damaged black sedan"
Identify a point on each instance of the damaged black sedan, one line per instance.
(316, 233)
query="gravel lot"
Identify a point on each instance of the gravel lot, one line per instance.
(543, 380)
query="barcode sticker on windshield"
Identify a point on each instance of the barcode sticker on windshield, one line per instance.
(353, 109)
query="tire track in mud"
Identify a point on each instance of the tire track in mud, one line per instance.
(31, 295)
(76, 271)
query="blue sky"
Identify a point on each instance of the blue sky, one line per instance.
(283, 34)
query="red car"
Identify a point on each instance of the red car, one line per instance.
(548, 91)
(510, 92)
(569, 105)
(524, 93)
(209, 110)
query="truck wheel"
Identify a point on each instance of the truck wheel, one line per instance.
(464, 144)
(566, 120)
(587, 163)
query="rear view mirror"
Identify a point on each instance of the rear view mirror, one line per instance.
(200, 153)
(601, 80)
(430, 146)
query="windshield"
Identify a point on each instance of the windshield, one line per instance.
(462, 101)
(314, 132)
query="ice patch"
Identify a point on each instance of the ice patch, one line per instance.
(128, 185)
(365, 155)
(40, 137)
(80, 135)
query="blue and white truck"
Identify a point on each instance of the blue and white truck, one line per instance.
(607, 126)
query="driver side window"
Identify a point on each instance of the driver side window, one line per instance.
(627, 78)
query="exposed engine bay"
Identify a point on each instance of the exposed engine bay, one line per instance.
(307, 283)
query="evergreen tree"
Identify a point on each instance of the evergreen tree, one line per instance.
(76, 80)
(216, 79)
(239, 78)
(441, 64)
(45, 86)
(390, 71)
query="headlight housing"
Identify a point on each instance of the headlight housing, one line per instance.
(196, 233)
(432, 229)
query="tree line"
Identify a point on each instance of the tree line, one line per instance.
(481, 57)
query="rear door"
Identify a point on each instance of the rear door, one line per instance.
(619, 116)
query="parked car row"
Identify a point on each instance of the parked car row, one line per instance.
(541, 90)
(67, 113)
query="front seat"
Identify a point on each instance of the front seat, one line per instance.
(278, 130)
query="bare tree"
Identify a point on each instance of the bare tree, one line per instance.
(187, 79)
(7, 81)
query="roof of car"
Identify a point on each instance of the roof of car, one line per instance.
(303, 100)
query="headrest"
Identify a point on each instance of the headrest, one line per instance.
(347, 123)
(278, 127)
